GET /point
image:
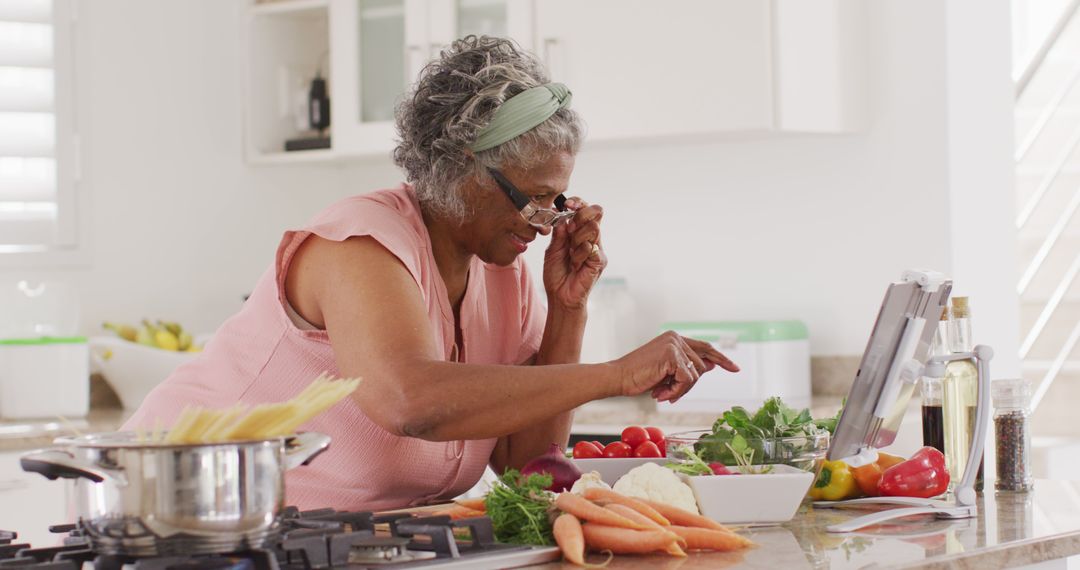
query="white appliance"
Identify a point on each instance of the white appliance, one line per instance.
(773, 359)
(44, 364)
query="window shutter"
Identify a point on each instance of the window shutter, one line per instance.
(30, 195)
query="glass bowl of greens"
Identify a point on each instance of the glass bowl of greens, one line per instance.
(732, 449)
(774, 434)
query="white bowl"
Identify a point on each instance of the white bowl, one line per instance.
(772, 497)
(611, 468)
(133, 369)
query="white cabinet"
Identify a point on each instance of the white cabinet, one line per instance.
(707, 66)
(638, 68)
(380, 46)
(702, 67)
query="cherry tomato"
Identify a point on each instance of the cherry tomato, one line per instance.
(647, 449)
(617, 449)
(656, 436)
(634, 436)
(586, 450)
(598, 445)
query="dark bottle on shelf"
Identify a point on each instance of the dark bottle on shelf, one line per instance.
(933, 424)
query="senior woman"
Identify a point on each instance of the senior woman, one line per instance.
(421, 290)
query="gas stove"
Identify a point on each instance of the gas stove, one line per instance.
(316, 539)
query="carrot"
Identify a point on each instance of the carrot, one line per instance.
(628, 541)
(584, 509)
(683, 517)
(601, 494)
(676, 547)
(474, 504)
(569, 537)
(709, 539)
(459, 512)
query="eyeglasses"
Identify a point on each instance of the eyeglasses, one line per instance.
(528, 209)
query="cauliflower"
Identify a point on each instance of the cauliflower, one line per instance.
(655, 483)
(588, 481)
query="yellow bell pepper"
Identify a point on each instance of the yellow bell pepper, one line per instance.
(834, 483)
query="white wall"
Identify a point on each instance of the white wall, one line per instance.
(181, 227)
(809, 227)
(982, 192)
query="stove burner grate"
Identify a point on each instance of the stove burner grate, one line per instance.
(308, 540)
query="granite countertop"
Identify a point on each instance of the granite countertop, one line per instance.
(1011, 530)
(30, 434)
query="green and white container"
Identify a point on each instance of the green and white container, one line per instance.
(44, 377)
(773, 358)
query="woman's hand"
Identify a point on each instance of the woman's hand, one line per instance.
(575, 258)
(669, 365)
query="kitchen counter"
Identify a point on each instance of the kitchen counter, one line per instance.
(1011, 530)
(30, 434)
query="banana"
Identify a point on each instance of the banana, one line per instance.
(166, 340)
(152, 332)
(185, 339)
(126, 332)
(145, 337)
(171, 326)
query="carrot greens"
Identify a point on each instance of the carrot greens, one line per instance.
(518, 507)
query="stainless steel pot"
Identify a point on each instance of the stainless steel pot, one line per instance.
(139, 499)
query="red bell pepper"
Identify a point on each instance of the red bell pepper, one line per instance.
(924, 475)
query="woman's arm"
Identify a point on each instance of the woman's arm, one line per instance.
(378, 326)
(377, 323)
(561, 344)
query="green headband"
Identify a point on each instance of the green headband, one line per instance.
(521, 113)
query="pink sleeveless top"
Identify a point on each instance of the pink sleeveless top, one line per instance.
(259, 355)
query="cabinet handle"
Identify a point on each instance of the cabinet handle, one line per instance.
(551, 46)
(413, 64)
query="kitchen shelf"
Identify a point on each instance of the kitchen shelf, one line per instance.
(286, 44)
(288, 7)
(293, 157)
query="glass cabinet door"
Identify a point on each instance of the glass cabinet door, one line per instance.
(378, 48)
(481, 18)
(382, 58)
(453, 19)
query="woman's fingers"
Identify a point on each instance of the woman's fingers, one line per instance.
(687, 359)
(708, 352)
(560, 237)
(700, 366)
(588, 232)
(682, 371)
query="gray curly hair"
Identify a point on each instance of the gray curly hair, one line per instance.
(453, 99)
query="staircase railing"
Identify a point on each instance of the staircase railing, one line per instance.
(1066, 215)
(1044, 48)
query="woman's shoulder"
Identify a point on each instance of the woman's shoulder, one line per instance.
(392, 211)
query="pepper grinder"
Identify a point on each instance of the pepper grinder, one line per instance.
(1012, 437)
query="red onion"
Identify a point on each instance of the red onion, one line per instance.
(563, 471)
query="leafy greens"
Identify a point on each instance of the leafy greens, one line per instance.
(738, 434)
(518, 508)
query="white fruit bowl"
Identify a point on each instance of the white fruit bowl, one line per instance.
(611, 468)
(769, 498)
(133, 369)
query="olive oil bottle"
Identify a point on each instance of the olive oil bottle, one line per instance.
(960, 396)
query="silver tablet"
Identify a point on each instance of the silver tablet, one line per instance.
(901, 337)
